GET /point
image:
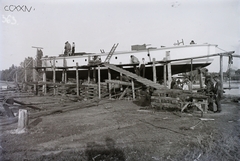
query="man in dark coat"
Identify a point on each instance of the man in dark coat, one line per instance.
(218, 93)
(209, 91)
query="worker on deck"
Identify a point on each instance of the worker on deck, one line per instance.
(73, 48)
(142, 68)
(67, 49)
(135, 60)
(218, 93)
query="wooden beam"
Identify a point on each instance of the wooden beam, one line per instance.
(123, 94)
(198, 57)
(118, 82)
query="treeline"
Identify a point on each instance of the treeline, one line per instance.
(16, 73)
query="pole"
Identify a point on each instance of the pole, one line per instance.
(99, 83)
(133, 90)
(77, 79)
(54, 77)
(165, 73)
(169, 69)
(44, 80)
(109, 85)
(191, 75)
(221, 70)
(154, 71)
(34, 76)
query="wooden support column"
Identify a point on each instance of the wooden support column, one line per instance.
(77, 79)
(109, 85)
(169, 69)
(63, 74)
(133, 90)
(154, 71)
(99, 82)
(44, 80)
(121, 87)
(64, 77)
(94, 74)
(165, 73)
(221, 71)
(89, 72)
(54, 76)
(201, 79)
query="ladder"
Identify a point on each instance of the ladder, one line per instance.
(110, 53)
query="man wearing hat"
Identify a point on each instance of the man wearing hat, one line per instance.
(218, 93)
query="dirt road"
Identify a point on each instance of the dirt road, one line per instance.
(121, 130)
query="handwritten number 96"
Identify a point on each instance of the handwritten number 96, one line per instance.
(9, 19)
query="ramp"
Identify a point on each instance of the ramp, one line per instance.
(142, 80)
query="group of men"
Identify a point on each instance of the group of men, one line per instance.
(68, 50)
(214, 92)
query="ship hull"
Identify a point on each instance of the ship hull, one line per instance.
(123, 59)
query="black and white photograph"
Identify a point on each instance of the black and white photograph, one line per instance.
(120, 80)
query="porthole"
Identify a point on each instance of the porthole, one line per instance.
(73, 60)
(56, 61)
(85, 59)
(116, 57)
(148, 55)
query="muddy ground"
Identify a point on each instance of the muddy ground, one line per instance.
(121, 130)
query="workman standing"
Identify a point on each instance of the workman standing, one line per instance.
(209, 91)
(218, 93)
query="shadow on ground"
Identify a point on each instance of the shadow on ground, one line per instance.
(96, 152)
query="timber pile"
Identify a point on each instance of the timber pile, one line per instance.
(172, 99)
(169, 99)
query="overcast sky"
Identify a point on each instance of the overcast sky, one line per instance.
(95, 25)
